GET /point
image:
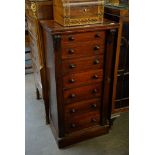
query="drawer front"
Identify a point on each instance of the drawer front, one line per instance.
(80, 37)
(82, 64)
(74, 109)
(82, 121)
(32, 27)
(74, 80)
(89, 48)
(82, 93)
(81, 11)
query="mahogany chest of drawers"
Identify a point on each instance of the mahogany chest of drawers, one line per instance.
(79, 64)
(78, 12)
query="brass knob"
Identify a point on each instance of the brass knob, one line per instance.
(95, 91)
(96, 48)
(73, 111)
(96, 61)
(71, 38)
(95, 76)
(71, 80)
(73, 125)
(72, 96)
(93, 105)
(72, 65)
(71, 51)
(93, 120)
(85, 10)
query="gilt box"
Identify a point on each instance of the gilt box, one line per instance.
(78, 12)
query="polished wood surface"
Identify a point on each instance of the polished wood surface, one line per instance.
(78, 79)
(79, 87)
(79, 12)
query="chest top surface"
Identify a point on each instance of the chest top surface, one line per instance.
(55, 28)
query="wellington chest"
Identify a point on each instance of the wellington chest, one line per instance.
(78, 12)
(79, 64)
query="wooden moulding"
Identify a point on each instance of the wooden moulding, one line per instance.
(79, 136)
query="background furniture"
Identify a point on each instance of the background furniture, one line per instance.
(35, 11)
(28, 60)
(79, 65)
(120, 97)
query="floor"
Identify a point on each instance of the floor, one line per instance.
(40, 141)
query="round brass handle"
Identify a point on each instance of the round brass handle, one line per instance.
(72, 96)
(95, 91)
(71, 80)
(73, 125)
(72, 65)
(96, 47)
(71, 38)
(85, 10)
(95, 76)
(73, 111)
(93, 120)
(93, 105)
(71, 51)
(96, 61)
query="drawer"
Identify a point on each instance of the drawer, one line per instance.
(80, 37)
(89, 48)
(83, 121)
(82, 64)
(82, 93)
(71, 110)
(32, 27)
(74, 80)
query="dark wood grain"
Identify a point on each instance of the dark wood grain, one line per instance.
(79, 87)
(82, 93)
(82, 64)
(79, 37)
(82, 121)
(81, 107)
(89, 48)
(79, 79)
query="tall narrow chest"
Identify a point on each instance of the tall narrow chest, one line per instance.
(79, 64)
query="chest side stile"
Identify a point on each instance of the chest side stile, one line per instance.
(54, 82)
(111, 36)
(59, 82)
